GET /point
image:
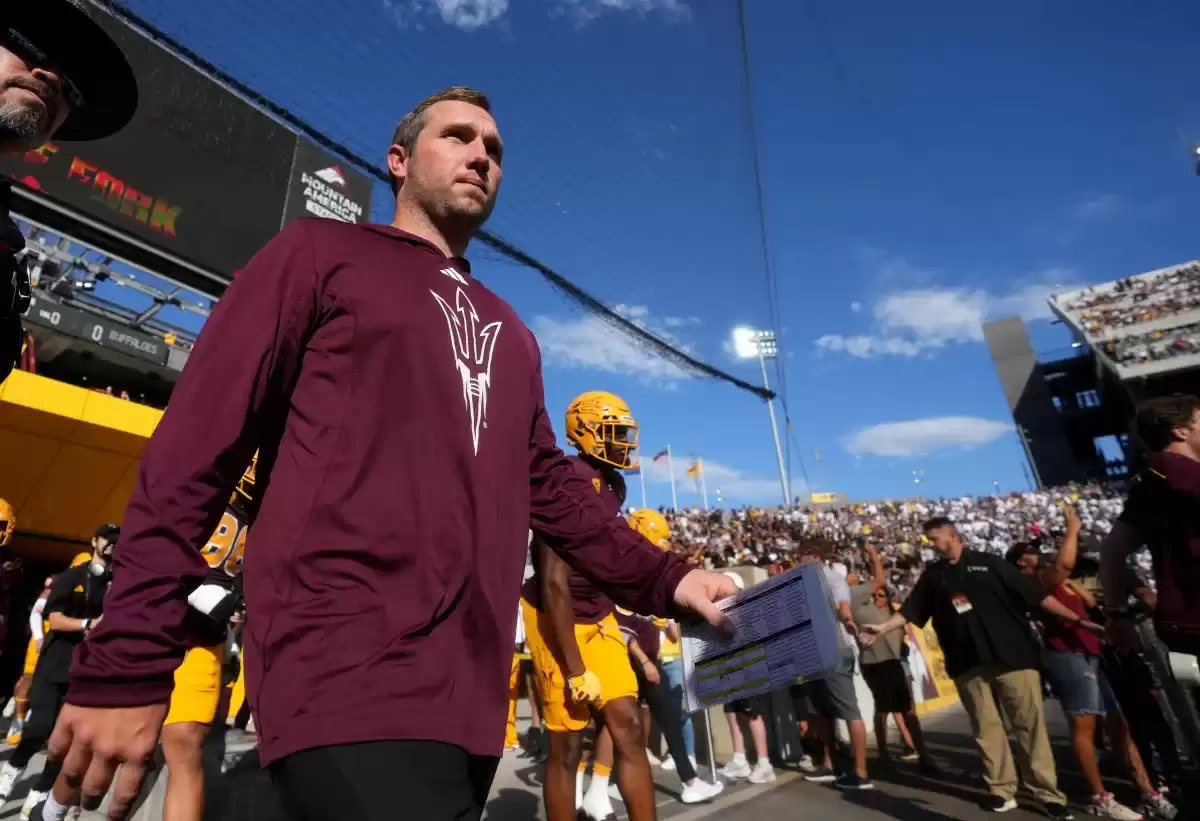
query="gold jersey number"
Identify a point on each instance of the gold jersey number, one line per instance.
(226, 545)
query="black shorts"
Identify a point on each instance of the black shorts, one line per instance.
(431, 780)
(802, 703)
(889, 686)
(753, 706)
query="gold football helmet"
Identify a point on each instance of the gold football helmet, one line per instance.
(8, 522)
(244, 495)
(600, 425)
(653, 525)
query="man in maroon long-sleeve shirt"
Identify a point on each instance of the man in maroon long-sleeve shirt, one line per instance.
(405, 452)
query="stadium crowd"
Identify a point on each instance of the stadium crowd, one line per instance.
(1154, 346)
(1132, 301)
(766, 537)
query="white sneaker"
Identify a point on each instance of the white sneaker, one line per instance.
(700, 790)
(806, 765)
(597, 806)
(32, 800)
(738, 768)
(1105, 806)
(763, 772)
(10, 708)
(75, 813)
(8, 780)
(1155, 805)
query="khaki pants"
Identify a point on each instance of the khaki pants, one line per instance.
(1020, 696)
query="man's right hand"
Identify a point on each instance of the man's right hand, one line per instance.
(93, 742)
(585, 687)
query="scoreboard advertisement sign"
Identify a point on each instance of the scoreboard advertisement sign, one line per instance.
(323, 187)
(48, 312)
(199, 173)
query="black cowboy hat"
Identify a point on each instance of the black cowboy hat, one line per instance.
(65, 34)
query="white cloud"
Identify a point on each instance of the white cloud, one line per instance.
(917, 320)
(472, 15)
(590, 342)
(584, 11)
(917, 437)
(468, 15)
(733, 483)
(1098, 206)
(856, 306)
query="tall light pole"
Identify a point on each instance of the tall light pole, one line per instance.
(749, 343)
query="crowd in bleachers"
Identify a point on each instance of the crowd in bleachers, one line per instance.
(767, 536)
(1103, 309)
(1154, 346)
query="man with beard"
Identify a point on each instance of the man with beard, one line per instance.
(61, 76)
(406, 453)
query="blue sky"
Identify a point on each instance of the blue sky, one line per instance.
(927, 167)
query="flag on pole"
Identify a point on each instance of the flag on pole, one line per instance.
(697, 469)
(662, 455)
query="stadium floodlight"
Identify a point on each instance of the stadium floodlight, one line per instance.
(1196, 157)
(751, 343)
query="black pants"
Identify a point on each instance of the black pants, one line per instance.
(385, 781)
(667, 712)
(46, 698)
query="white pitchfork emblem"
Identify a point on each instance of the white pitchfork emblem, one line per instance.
(473, 349)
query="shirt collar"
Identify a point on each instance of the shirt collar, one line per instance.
(412, 239)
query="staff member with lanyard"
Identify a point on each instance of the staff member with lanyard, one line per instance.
(75, 605)
(61, 76)
(980, 608)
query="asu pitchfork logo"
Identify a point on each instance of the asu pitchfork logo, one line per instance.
(473, 347)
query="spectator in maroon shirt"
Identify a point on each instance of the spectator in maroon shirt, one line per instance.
(406, 453)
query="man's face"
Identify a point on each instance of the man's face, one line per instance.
(1028, 564)
(32, 105)
(101, 549)
(1191, 434)
(453, 171)
(945, 539)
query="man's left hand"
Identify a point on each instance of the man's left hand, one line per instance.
(699, 589)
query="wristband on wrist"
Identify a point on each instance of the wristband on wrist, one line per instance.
(87, 623)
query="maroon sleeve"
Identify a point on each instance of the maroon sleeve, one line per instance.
(566, 513)
(247, 356)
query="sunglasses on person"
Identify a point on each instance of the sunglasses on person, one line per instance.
(34, 57)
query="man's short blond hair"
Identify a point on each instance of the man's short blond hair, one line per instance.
(412, 123)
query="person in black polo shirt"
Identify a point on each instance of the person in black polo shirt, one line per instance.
(980, 608)
(75, 605)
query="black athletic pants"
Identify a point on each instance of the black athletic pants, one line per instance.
(667, 712)
(46, 699)
(385, 781)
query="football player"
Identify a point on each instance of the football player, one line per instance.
(198, 687)
(579, 655)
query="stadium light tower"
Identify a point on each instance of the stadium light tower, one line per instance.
(749, 343)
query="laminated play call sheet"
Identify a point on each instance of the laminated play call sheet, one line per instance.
(786, 629)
